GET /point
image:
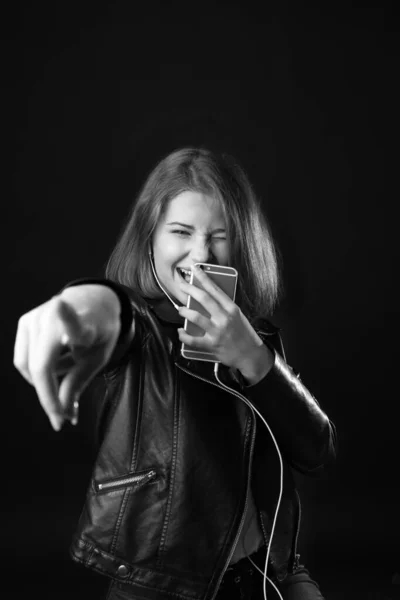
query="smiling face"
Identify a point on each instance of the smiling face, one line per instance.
(192, 230)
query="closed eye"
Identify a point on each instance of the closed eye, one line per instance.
(184, 233)
(181, 232)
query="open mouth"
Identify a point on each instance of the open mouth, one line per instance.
(184, 273)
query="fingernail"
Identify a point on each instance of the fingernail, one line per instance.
(75, 410)
(65, 339)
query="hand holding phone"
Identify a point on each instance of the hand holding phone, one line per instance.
(225, 278)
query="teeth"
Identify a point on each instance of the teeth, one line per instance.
(185, 273)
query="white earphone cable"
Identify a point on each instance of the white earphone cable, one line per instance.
(254, 410)
(158, 281)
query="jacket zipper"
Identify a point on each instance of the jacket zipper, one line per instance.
(116, 483)
(247, 483)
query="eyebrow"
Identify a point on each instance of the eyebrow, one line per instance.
(219, 230)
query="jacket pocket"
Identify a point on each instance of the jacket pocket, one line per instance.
(135, 480)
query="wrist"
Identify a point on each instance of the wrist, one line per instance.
(257, 365)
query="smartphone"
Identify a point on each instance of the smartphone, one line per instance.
(226, 279)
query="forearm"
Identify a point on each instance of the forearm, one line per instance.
(302, 430)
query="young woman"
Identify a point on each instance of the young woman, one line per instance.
(192, 493)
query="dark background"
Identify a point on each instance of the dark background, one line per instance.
(305, 98)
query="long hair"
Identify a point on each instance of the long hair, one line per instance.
(251, 246)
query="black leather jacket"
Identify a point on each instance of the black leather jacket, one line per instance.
(169, 489)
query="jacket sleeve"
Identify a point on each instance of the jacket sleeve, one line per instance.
(304, 433)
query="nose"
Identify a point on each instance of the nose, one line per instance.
(201, 251)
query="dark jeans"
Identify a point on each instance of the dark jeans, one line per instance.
(249, 586)
(244, 582)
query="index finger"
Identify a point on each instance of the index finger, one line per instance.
(212, 288)
(43, 357)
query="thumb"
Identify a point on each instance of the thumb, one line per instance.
(79, 377)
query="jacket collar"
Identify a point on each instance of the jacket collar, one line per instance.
(165, 311)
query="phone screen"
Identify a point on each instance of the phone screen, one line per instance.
(226, 279)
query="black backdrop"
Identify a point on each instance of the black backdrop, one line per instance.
(305, 98)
